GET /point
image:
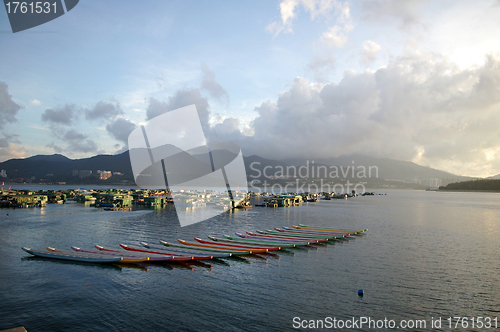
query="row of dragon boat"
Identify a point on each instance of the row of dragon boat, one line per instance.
(250, 243)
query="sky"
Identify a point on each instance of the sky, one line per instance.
(410, 80)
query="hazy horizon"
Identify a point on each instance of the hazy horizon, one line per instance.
(408, 80)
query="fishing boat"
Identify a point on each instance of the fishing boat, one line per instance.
(186, 246)
(191, 252)
(174, 257)
(124, 258)
(307, 227)
(77, 257)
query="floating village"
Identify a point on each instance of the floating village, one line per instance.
(126, 199)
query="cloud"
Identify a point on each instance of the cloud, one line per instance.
(120, 129)
(8, 108)
(420, 108)
(321, 67)
(74, 135)
(78, 143)
(35, 102)
(86, 146)
(288, 12)
(181, 98)
(313, 7)
(75, 141)
(370, 49)
(337, 35)
(208, 83)
(275, 28)
(334, 36)
(9, 150)
(103, 110)
(56, 148)
(227, 127)
(405, 13)
(61, 115)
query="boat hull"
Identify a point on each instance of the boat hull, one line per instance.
(186, 246)
(192, 252)
(87, 258)
(252, 250)
(314, 228)
(238, 240)
(174, 257)
(237, 246)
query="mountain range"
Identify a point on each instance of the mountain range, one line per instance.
(57, 168)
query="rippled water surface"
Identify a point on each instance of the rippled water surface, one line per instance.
(426, 254)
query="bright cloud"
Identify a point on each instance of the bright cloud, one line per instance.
(335, 36)
(315, 8)
(370, 49)
(438, 113)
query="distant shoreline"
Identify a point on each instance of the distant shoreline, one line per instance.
(472, 191)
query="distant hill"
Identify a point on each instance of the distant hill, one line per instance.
(387, 168)
(479, 185)
(54, 158)
(494, 177)
(57, 167)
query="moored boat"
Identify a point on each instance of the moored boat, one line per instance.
(267, 248)
(300, 235)
(124, 258)
(238, 240)
(186, 246)
(308, 227)
(174, 257)
(288, 230)
(285, 238)
(77, 257)
(189, 252)
(125, 253)
(252, 250)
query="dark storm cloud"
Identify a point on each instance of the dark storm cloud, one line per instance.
(103, 110)
(60, 115)
(8, 108)
(79, 143)
(120, 129)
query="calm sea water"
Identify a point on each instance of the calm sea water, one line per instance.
(426, 255)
